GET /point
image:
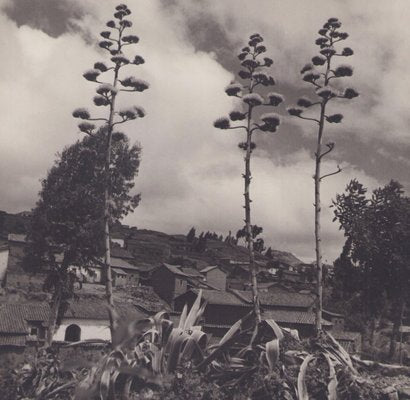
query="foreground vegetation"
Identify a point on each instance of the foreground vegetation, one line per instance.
(154, 359)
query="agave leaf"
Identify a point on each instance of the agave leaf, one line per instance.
(302, 388)
(105, 384)
(332, 385)
(237, 327)
(341, 353)
(193, 312)
(183, 316)
(272, 353)
(275, 327)
(175, 351)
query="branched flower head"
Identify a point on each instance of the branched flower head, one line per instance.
(335, 118)
(321, 41)
(343, 70)
(105, 34)
(306, 68)
(132, 112)
(106, 88)
(255, 39)
(100, 66)
(91, 74)
(105, 44)
(252, 99)
(271, 122)
(222, 123)
(101, 101)
(81, 113)
(304, 102)
(311, 76)
(318, 60)
(138, 60)
(126, 23)
(296, 112)
(138, 85)
(268, 61)
(244, 146)
(250, 63)
(347, 51)
(237, 116)
(328, 51)
(260, 49)
(86, 127)
(111, 24)
(244, 74)
(233, 89)
(275, 98)
(350, 93)
(131, 39)
(120, 59)
(264, 79)
(326, 92)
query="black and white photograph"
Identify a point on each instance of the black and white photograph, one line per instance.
(204, 199)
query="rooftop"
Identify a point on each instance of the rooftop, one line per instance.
(221, 297)
(293, 317)
(279, 298)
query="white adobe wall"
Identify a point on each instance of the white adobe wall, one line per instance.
(90, 329)
(4, 255)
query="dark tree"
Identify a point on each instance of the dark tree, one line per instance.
(67, 227)
(190, 237)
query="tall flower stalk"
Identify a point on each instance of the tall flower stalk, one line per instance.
(249, 120)
(115, 40)
(323, 76)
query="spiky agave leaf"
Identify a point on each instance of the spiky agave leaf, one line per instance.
(302, 388)
(332, 385)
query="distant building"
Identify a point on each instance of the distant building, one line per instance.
(22, 327)
(215, 276)
(4, 255)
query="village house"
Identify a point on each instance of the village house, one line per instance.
(170, 281)
(222, 309)
(22, 328)
(214, 276)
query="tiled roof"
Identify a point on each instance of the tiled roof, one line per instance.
(176, 270)
(279, 299)
(345, 335)
(13, 340)
(13, 317)
(333, 314)
(119, 252)
(120, 263)
(15, 237)
(207, 269)
(293, 317)
(95, 308)
(191, 271)
(221, 297)
(119, 271)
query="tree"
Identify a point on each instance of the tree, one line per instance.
(190, 237)
(67, 226)
(115, 41)
(378, 233)
(247, 119)
(322, 75)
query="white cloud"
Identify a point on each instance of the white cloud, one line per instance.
(190, 172)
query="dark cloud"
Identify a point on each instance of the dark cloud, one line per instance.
(51, 16)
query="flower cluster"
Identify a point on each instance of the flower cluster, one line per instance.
(254, 73)
(320, 73)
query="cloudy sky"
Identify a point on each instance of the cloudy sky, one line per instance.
(191, 173)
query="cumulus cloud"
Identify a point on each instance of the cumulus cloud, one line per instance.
(190, 172)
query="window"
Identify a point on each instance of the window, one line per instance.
(72, 333)
(33, 332)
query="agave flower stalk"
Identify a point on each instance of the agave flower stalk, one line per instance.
(255, 77)
(322, 76)
(115, 41)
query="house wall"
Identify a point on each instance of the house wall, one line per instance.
(90, 329)
(4, 254)
(216, 278)
(163, 282)
(221, 314)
